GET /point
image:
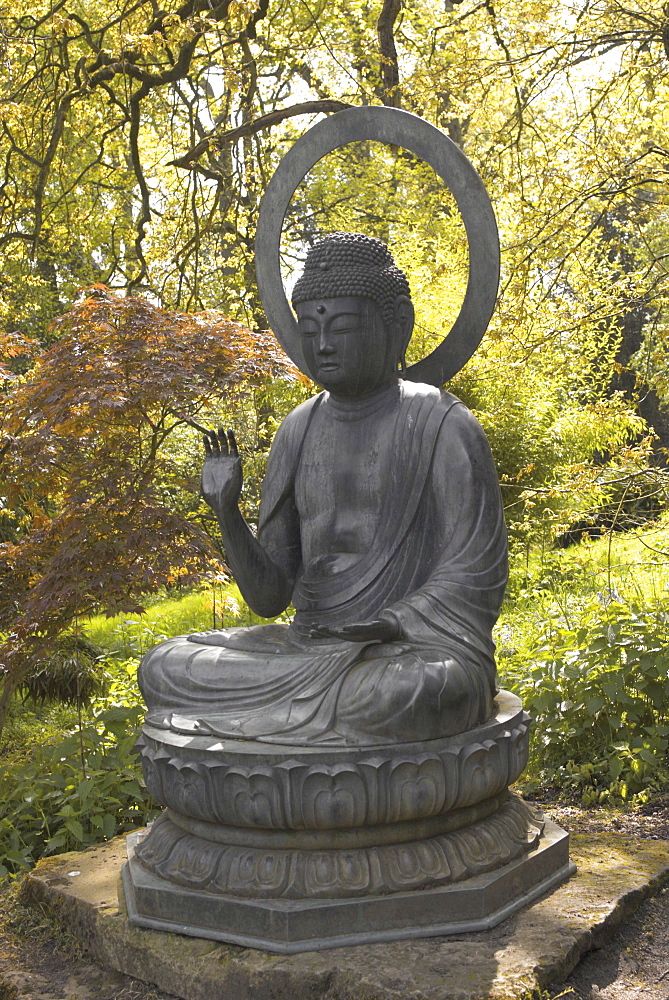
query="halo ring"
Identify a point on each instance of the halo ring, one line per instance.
(399, 128)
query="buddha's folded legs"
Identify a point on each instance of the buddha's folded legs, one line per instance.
(416, 694)
(339, 693)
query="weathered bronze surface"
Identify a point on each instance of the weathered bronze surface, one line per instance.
(363, 749)
(381, 520)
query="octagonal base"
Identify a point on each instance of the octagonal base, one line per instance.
(288, 926)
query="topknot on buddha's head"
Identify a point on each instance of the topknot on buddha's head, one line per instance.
(352, 264)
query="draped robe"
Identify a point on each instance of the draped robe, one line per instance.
(437, 566)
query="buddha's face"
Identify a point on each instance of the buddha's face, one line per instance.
(347, 346)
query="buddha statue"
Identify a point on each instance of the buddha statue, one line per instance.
(381, 521)
(345, 778)
(314, 771)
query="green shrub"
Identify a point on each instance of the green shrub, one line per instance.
(71, 674)
(598, 692)
(123, 689)
(30, 726)
(76, 792)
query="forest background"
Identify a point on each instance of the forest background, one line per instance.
(136, 141)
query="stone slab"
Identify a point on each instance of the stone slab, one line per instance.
(288, 926)
(532, 949)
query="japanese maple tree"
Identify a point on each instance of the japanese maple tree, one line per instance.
(83, 459)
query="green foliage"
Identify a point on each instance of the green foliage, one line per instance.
(64, 787)
(547, 442)
(71, 673)
(74, 792)
(597, 688)
(30, 726)
(219, 605)
(548, 582)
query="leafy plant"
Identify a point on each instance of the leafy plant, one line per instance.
(73, 793)
(71, 673)
(598, 692)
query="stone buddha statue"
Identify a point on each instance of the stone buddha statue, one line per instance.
(345, 778)
(381, 521)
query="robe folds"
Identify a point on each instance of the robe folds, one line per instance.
(438, 565)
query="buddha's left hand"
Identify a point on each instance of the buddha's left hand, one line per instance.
(380, 630)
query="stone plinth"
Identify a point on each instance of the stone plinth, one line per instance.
(294, 848)
(531, 950)
(287, 926)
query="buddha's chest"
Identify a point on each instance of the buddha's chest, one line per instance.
(342, 480)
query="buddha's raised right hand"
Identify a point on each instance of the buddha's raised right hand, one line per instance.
(222, 471)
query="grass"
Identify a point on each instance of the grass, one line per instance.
(557, 584)
(638, 561)
(169, 615)
(635, 562)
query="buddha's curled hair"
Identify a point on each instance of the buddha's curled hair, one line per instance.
(351, 264)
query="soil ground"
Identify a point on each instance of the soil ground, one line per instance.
(38, 963)
(634, 964)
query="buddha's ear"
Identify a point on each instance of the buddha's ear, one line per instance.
(404, 317)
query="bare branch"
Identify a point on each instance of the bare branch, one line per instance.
(217, 141)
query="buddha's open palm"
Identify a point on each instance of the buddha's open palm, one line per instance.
(378, 630)
(222, 471)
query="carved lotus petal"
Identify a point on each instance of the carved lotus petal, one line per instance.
(251, 799)
(153, 779)
(187, 790)
(190, 863)
(417, 789)
(519, 749)
(484, 772)
(159, 844)
(257, 873)
(418, 861)
(327, 870)
(334, 801)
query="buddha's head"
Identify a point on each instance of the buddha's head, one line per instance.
(354, 313)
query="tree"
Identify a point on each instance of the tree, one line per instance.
(85, 457)
(96, 102)
(137, 146)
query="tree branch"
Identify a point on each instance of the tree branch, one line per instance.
(217, 141)
(390, 74)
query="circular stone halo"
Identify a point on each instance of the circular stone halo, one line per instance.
(399, 128)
